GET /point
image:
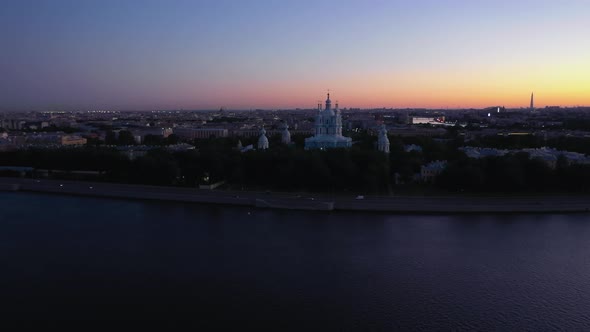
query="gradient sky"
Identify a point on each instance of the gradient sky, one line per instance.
(172, 54)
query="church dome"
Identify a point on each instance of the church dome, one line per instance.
(328, 129)
(328, 112)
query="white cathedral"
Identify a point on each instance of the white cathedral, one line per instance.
(328, 129)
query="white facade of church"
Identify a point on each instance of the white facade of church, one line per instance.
(328, 129)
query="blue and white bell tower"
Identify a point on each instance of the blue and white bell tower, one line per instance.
(328, 129)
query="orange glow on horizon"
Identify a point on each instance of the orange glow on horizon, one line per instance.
(509, 86)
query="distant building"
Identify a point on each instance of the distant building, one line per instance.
(180, 147)
(135, 151)
(262, 140)
(200, 133)
(430, 171)
(44, 138)
(73, 140)
(548, 155)
(328, 129)
(477, 152)
(140, 133)
(412, 147)
(12, 124)
(431, 121)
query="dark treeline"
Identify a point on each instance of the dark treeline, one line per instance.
(64, 159)
(577, 124)
(333, 170)
(125, 137)
(360, 169)
(564, 143)
(277, 169)
(159, 140)
(514, 173)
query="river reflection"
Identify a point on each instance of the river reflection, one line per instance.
(231, 267)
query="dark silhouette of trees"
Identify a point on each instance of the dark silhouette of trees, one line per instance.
(160, 140)
(290, 168)
(172, 139)
(126, 138)
(153, 140)
(110, 138)
(514, 173)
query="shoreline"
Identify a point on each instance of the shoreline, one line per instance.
(309, 202)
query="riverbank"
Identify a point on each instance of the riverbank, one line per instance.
(396, 204)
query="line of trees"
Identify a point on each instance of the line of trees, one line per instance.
(514, 173)
(277, 169)
(360, 169)
(574, 144)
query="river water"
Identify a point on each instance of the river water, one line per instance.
(73, 258)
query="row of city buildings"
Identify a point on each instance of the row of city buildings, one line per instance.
(323, 126)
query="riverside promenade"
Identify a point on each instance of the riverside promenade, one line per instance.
(319, 202)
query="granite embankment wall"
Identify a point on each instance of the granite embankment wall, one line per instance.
(191, 195)
(398, 204)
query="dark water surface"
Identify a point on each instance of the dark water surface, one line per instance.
(73, 258)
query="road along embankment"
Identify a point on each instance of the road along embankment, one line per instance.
(397, 204)
(176, 194)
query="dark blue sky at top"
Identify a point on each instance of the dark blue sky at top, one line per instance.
(150, 54)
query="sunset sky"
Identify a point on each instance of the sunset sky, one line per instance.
(243, 54)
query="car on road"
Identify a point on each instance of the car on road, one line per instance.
(360, 197)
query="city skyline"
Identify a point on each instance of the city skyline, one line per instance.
(149, 55)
